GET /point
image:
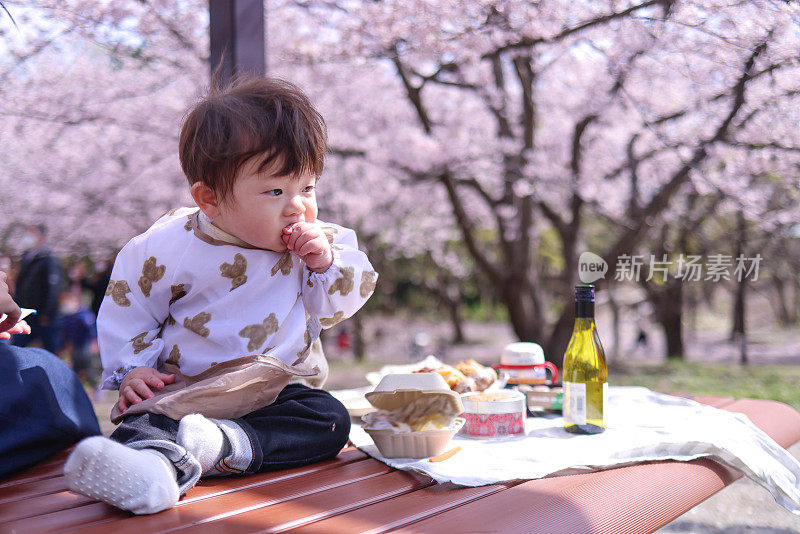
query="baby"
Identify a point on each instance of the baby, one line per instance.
(245, 281)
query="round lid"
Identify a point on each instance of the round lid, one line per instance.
(395, 391)
(522, 353)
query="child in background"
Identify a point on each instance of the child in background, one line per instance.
(249, 276)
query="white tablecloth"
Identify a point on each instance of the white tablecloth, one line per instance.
(641, 426)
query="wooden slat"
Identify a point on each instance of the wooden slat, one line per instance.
(402, 510)
(303, 510)
(59, 517)
(62, 519)
(38, 472)
(49, 467)
(617, 500)
(42, 504)
(250, 497)
(32, 489)
(214, 487)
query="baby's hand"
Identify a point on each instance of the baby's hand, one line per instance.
(309, 242)
(137, 383)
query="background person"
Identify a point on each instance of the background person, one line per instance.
(38, 286)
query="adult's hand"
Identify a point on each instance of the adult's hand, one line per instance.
(7, 305)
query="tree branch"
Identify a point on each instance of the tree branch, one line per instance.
(527, 42)
(467, 231)
(413, 93)
(659, 201)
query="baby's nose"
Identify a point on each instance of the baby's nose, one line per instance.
(295, 205)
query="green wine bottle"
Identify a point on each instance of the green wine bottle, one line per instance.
(585, 374)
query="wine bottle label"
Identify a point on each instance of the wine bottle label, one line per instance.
(575, 403)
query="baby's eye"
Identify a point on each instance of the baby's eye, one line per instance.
(308, 189)
(274, 192)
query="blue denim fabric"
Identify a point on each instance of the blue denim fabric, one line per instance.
(301, 427)
(43, 407)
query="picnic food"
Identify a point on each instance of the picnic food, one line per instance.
(496, 414)
(483, 376)
(466, 376)
(585, 373)
(417, 415)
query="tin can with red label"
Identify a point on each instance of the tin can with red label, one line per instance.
(493, 414)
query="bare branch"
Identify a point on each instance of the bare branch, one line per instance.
(660, 200)
(527, 42)
(413, 93)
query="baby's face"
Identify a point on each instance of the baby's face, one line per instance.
(262, 204)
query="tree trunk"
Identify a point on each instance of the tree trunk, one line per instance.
(782, 307)
(671, 318)
(454, 309)
(518, 299)
(359, 346)
(614, 355)
(738, 328)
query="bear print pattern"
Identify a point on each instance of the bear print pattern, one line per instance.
(178, 291)
(197, 324)
(343, 284)
(284, 265)
(174, 356)
(337, 318)
(236, 271)
(367, 283)
(151, 273)
(138, 343)
(257, 333)
(117, 290)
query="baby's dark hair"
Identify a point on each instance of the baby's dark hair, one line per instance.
(247, 118)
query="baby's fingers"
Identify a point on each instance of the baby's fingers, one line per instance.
(155, 381)
(130, 396)
(136, 391)
(167, 379)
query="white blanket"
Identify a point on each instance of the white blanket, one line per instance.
(641, 426)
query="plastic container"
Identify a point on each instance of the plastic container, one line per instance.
(523, 363)
(397, 391)
(496, 414)
(544, 398)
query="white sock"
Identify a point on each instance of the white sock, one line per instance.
(141, 481)
(203, 439)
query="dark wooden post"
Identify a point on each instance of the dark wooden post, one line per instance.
(238, 39)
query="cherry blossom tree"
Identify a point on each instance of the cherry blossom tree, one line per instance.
(495, 125)
(543, 116)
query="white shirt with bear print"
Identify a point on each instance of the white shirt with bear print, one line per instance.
(180, 295)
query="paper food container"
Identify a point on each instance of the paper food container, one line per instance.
(397, 391)
(495, 414)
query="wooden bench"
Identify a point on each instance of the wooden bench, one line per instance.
(354, 493)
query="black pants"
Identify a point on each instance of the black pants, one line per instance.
(301, 427)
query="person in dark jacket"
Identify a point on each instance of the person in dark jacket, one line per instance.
(38, 287)
(43, 406)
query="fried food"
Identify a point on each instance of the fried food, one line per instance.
(483, 376)
(466, 376)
